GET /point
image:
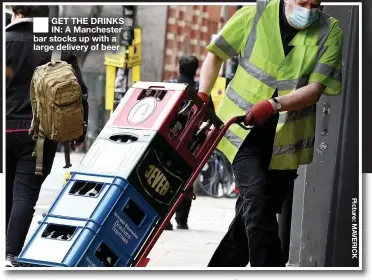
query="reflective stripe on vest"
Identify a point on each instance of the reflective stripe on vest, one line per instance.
(293, 148)
(287, 147)
(238, 100)
(328, 71)
(291, 116)
(233, 138)
(225, 47)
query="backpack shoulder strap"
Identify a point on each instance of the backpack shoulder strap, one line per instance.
(39, 152)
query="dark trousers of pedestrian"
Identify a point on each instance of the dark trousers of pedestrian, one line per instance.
(253, 236)
(22, 186)
(183, 210)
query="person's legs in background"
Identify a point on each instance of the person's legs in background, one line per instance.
(26, 189)
(10, 169)
(182, 213)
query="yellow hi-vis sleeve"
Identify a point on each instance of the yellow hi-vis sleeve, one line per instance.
(328, 69)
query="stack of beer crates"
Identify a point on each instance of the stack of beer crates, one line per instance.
(128, 181)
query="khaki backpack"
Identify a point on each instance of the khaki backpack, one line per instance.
(57, 109)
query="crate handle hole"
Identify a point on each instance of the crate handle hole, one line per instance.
(134, 212)
(123, 138)
(59, 232)
(105, 255)
(84, 188)
(152, 92)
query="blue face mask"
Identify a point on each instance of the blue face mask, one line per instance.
(302, 17)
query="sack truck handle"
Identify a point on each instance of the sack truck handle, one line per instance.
(141, 260)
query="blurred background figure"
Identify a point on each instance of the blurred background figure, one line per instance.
(188, 65)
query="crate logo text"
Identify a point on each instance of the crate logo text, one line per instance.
(157, 180)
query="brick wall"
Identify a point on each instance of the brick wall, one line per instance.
(189, 30)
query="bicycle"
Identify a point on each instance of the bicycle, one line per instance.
(216, 178)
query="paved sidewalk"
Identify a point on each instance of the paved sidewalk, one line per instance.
(208, 222)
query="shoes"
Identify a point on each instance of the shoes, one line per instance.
(169, 226)
(181, 223)
(11, 262)
(182, 226)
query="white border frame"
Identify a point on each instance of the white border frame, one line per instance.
(360, 220)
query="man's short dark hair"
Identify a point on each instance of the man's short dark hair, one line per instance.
(188, 65)
(31, 11)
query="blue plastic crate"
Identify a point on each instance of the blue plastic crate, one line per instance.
(83, 244)
(70, 204)
(123, 214)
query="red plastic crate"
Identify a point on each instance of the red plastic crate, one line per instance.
(154, 106)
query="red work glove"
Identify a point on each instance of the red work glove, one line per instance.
(259, 113)
(204, 97)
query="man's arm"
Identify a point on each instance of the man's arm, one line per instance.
(301, 98)
(209, 72)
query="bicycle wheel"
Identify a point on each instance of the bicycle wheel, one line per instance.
(227, 176)
(208, 180)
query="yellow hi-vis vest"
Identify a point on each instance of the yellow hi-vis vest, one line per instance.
(253, 33)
